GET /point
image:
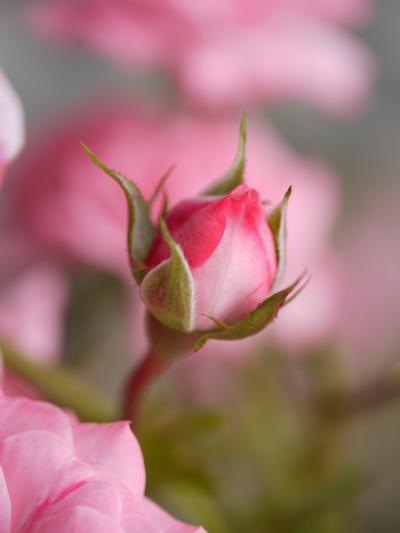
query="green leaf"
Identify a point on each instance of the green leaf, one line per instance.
(168, 290)
(60, 386)
(234, 176)
(254, 322)
(140, 227)
(277, 223)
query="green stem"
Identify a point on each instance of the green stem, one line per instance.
(150, 368)
(60, 386)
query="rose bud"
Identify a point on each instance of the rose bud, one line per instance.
(229, 248)
(209, 269)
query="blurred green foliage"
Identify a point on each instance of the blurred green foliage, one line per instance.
(259, 460)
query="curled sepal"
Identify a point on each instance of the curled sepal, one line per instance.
(168, 289)
(254, 322)
(140, 227)
(234, 176)
(277, 223)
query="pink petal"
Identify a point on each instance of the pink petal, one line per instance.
(197, 225)
(114, 448)
(5, 505)
(20, 414)
(38, 467)
(289, 58)
(238, 275)
(79, 519)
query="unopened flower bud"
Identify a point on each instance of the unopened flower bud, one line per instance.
(209, 269)
(229, 250)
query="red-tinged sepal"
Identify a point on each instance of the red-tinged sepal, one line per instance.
(168, 289)
(235, 175)
(277, 222)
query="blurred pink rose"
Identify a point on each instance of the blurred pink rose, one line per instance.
(229, 249)
(57, 474)
(11, 124)
(65, 202)
(33, 297)
(31, 310)
(311, 319)
(369, 321)
(225, 53)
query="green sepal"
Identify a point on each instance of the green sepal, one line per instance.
(141, 230)
(234, 176)
(277, 223)
(254, 322)
(160, 186)
(168, 289)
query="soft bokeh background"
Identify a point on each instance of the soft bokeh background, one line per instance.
(364, 152)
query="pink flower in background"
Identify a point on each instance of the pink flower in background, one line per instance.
(33, 297)
(312, 318)
(369, 321)
(228, 53)
(57, 474)
(12, 130)
(32, 302)
(65, 202)
(230, 252)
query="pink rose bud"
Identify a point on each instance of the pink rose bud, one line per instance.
(229, 249)
(210, 267)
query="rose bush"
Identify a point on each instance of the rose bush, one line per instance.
(57, 474)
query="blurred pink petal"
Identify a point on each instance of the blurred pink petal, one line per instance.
(369, 325)
(311, 319)
(33, 299)
(347, 12)
(32, 303)
(296, 60)
(228, 52)
(12, 131)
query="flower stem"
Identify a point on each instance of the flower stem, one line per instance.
(142, 376)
